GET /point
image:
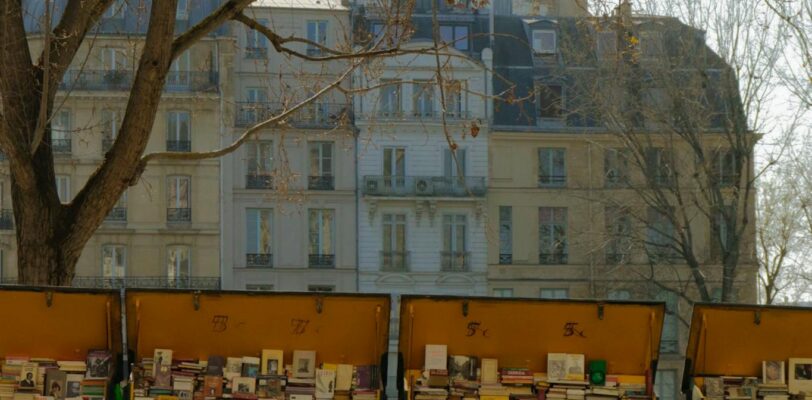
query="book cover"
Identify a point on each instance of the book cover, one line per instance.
(233, 365)
(160, 357)
(272, 361)
(343, 377)
(55, 383)
(163, 376)
(325, 383)
(363, 377)
(462, 367)
(28, 376)
(575, 367)
(436, 356)
(490, 371)
(250, 367)
(73, 386)
(304, 364)
(243, 385)
(213, 386)
(215, 365)
(556, 366)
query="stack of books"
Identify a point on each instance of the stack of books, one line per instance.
(24, 378)
(774, 391)
(517, 377)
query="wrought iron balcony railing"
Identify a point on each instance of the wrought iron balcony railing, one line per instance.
(314, 115)
(61, 146)
(553, 258)
(259, 260)
(395, 261)
(146, 282)
(321, 182)
(396, 114)
(552, 180)
(178, 215)
(455, 261)
(505, 259)
(258, 181)
(322, 260)
(117, 214)
(183, 146)
(6, 220)
(122, 80)
(438, 186)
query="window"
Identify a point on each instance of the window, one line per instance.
(607, 44)
(178, 76)
(259, 164)
(619, 294)
(322, 250)
(553, 235)
(670, 337)
(455, 99)
(179, 204)
(256, 44)
(616, 167)
(321, 166)
(317, 33)
(451, 167)
(660, 236)
(394, 242)
(113, 59)
(721, 235)
(321, 288)
(258, 226)
(183, 10)
(114, 261)
(63, 188)
(178, 264)
(390, 98)
(455, 36)
(505, 235)
(178, 131)
(116, 10)
(554, 293)
(259, 287)
(724, 168)
(666, 384)
(111, 121)
(552, 167)
(256, 95)
(544, 41)
(651, 44)
(619, 235)
(423, 99)
(502, 292)
(394, 168)
(550, 101)
(61, 132)
(454, 256)
(119, 211)
(658, 166)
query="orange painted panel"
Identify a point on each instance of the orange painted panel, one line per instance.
(520, 332)
(75, 322)
(726, 340)
(349, 329)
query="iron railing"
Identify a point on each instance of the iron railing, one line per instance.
(395, 261)
(314, 115)
(259, 260)
(258, 181)
(321, 182)
(183, 146)
(455, 261)
(552, 180)
(6, 220)
(178, 215)
(122, 80)
(439, 186)
(146, 282)
(505, 259)
(117, 214)
(322, 260)
(553, 258)
(424, 115)
(61, 146)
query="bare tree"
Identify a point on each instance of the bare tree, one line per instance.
(797, 69)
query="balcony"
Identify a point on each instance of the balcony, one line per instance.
(256, 52)
(6, 220)
(427, 186)
(455, 261)
(552, 181)
(314, 115)
(395, 261)
(176, 215)
(505, 259)
(60, 146)
(553, 258)
(180, 146)
(107, 144)
(321, 261)
(113, 80)
(258, 181)
(144, 282)
(321, 183)
(259, 260)
(117, 214)
(425, 115)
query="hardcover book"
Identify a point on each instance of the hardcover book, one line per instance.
(272, 361)
(304, 364)
(462, 367)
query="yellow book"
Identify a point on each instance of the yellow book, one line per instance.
(490, 397)
(332, 367)
(272, 362)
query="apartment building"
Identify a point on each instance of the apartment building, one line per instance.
(165, 231)
(288, 194)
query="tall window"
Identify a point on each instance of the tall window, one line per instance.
(256, 44)
(183, 10)
(544, 41)
(455, 256)
(423, 99)
(61, 132)
(551, 101)
(557, 293)
(660, 235)
(618, 231)
(111, 121)
(390, 98)
(451, 167)
(321, 166)
(179, 199)
(119, 211)
(259, 164)
(722, 236)
(322, 229)
(113, 59)
(503, 292)
(114, 261)
(553, 247)
(616, 167)
(552, 167)
(116, 10)
(317, 33)
(258, 224)
(505, 235)
(670, 338)
(394, 167)
(658, 166)
(178, 131)
(724, 168)
(455, 99)
(455, 36)
(178, 264)
(63, 188)
(665, 386)
(394, 242)
(178, 76)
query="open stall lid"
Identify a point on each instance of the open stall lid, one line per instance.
(59, 323)
(733, 340)
(341, 328)
(520, 332)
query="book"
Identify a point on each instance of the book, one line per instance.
(215, 365)
(213, 386)
(575, 370)
(163, 376)
(344, 377)
(325, 383)
(462, 368)
(28, 376)
(556, 366)
(272, 361)
(161, 357)
(55, 383)
(436, 357)
(490, 371)
(250, 367)
(365, 377)
(243, 385)
(233, 367)
(304, 364)
(73, 386)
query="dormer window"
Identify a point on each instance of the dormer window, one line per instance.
(544, 41)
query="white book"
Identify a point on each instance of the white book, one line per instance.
(325, 383)
(556, 366)
(436, 356)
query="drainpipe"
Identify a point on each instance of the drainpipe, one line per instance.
(222, 159)
(591, 217)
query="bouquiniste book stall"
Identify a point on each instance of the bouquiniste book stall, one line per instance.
(500, 349)
(58, 343)
(281, 346)
(745, 352)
